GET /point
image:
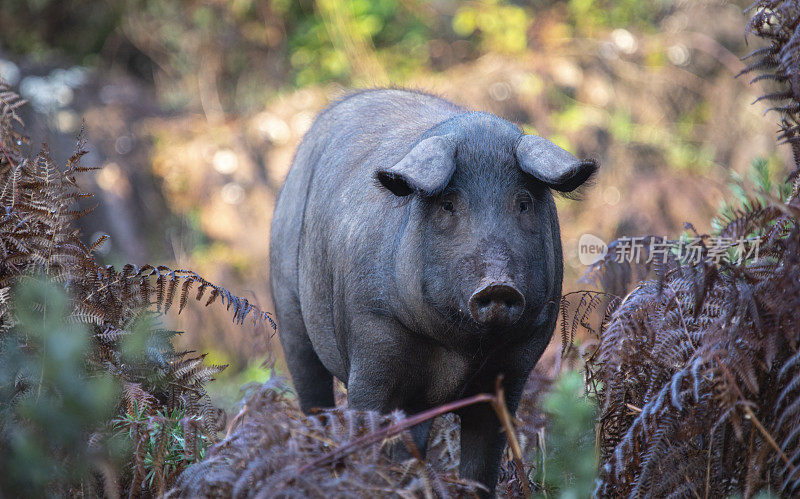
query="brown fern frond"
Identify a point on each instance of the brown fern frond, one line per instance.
(778, 22)
(185, 288)
(137, 397)
(38, 237)
(265, 454)
(696, 356)
(10, 102)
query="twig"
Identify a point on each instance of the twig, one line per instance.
(633, 408)
(391, 430)
(708, 466)
(412, 447)
(690, 484)
(499, 405)
(590, 291)
(235, 420)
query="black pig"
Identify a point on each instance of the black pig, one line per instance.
(415, 255)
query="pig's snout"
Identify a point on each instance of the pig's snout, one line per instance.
(496, 304)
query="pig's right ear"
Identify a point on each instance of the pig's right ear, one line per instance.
(426, 169)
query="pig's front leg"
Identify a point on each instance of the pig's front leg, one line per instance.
(482, 438)
(381, 379)
(368, 393)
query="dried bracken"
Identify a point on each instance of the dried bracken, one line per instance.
(698, 371)
(263, 457)
(698, 374)
(162, 388)
(276, 451)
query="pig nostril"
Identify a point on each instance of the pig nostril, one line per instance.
(497, 304)
(506, 296)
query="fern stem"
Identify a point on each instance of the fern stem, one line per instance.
(393, 429)
(44, 354)
(680, 311)
(5, 153)
(753, 416)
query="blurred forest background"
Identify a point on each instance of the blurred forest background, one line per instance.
(194, 108)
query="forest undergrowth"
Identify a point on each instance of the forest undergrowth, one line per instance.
(94, 398)
(695, 371)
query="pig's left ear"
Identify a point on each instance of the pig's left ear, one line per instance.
(551, 164)
(426, 168)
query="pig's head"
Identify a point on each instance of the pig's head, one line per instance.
(490, 244)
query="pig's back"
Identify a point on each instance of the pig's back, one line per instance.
(371, 126)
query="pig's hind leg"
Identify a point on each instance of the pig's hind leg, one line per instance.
(312, 381)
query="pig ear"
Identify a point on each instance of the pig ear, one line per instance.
(426, 169)
(552, 165)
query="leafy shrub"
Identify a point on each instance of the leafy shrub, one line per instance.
(348, 41)
(502, 28)
(49, 401)
(569, 462)
(589, 15)
(767, 189)
(168, 442)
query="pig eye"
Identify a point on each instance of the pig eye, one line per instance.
(524, 206)
(448, 206)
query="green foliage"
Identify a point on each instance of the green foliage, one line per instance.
(50, 401)
(499, 27)
(206, 54)
(234, 54)
(590, 15)
(79, 28)
(328, 41)
(681, 152)
(762, 185)
(229, 386)
(568, 464)
(170, 441)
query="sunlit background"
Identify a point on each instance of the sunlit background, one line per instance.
(194, 109)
